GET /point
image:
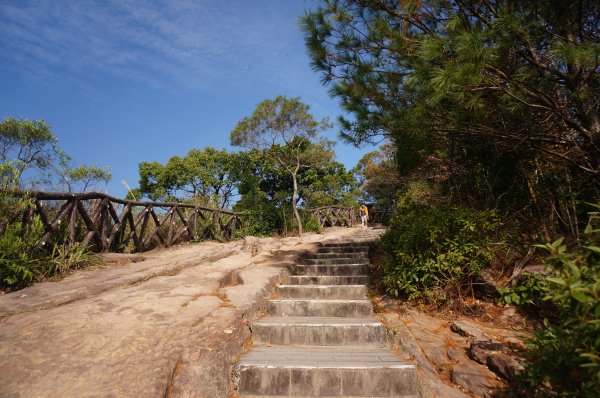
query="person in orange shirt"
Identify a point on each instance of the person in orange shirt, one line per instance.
(364, 215)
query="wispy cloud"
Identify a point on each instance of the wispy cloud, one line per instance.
(159, 43)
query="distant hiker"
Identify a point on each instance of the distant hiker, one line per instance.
(364, 215)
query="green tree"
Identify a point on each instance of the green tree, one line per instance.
(80, 178)
(503, 94)
(25, 144)
(521, 73)
(284, 128)
(206, 175)
(329, 185)
(378, 178)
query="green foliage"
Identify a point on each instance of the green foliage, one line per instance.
(66, 258)
(28, 147)
(436, 250)
(379, 178)
(328, 185)
(24, 258)
(564, 355)
(206, 176)
(80, 178)
(499, 101)
(25, 144)
(309, 223)
(526, 291)
(20, 261)
(284, 130)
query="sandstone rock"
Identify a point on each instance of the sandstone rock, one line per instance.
(504, 366)
(515, 343)
(480, 351)
(469, 329)
(166, 326)
(250, 244)
(434, 388)
(509, 312)
(474, 378)
(430, 384)
(456, 354)
(120, 258)
(432, 345)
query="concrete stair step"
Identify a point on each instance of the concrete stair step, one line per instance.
(334, 261)
(320, 308)
(319, 331)
(328, 280)
(336, 248)
(325, 372)
(322, 291)
(337, 255)
(330, 269)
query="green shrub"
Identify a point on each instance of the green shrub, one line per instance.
(564, 357)
(20, 251)
(23, 257)
(526, 291)
(66, 258)
(436, 250)
(309, 222)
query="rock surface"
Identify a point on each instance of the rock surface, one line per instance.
(468, 329)
(480, 351)
(171, 325)
(504, 366)
(441, 350)
(478, 380)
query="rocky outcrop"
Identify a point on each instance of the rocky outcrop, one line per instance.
(454, 358)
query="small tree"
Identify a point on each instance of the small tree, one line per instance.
(284, 128)
(25, 144)
(80, 178)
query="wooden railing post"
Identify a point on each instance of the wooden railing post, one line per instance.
(109, 223)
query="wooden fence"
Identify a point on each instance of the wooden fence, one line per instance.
(335, 216)
(111, 224)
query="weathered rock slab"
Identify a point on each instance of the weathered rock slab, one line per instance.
(172, 325)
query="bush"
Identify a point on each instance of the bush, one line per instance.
(19, 248)
(23, 257)
(309, 222)
(436, 250)
(564, 357)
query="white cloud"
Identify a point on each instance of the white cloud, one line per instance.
(161, 43)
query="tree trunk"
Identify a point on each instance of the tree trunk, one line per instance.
(294, 199)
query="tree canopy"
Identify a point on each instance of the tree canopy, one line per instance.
(31, 145)
(518, 76)
(492, 111)
(283, 128)
(204, 175)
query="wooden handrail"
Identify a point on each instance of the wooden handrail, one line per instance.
(42, 195)
(92, 219)
(331, 216)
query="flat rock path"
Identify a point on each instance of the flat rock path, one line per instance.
(170, 325)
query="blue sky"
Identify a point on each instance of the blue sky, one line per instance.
(122, 82)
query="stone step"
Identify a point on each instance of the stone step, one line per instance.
(325, 308)
(355, 255)
(333, 261)
(337, 248)
(319, 331)
(325, 372)
(322, 291)
(330, 269)
(328, 280)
